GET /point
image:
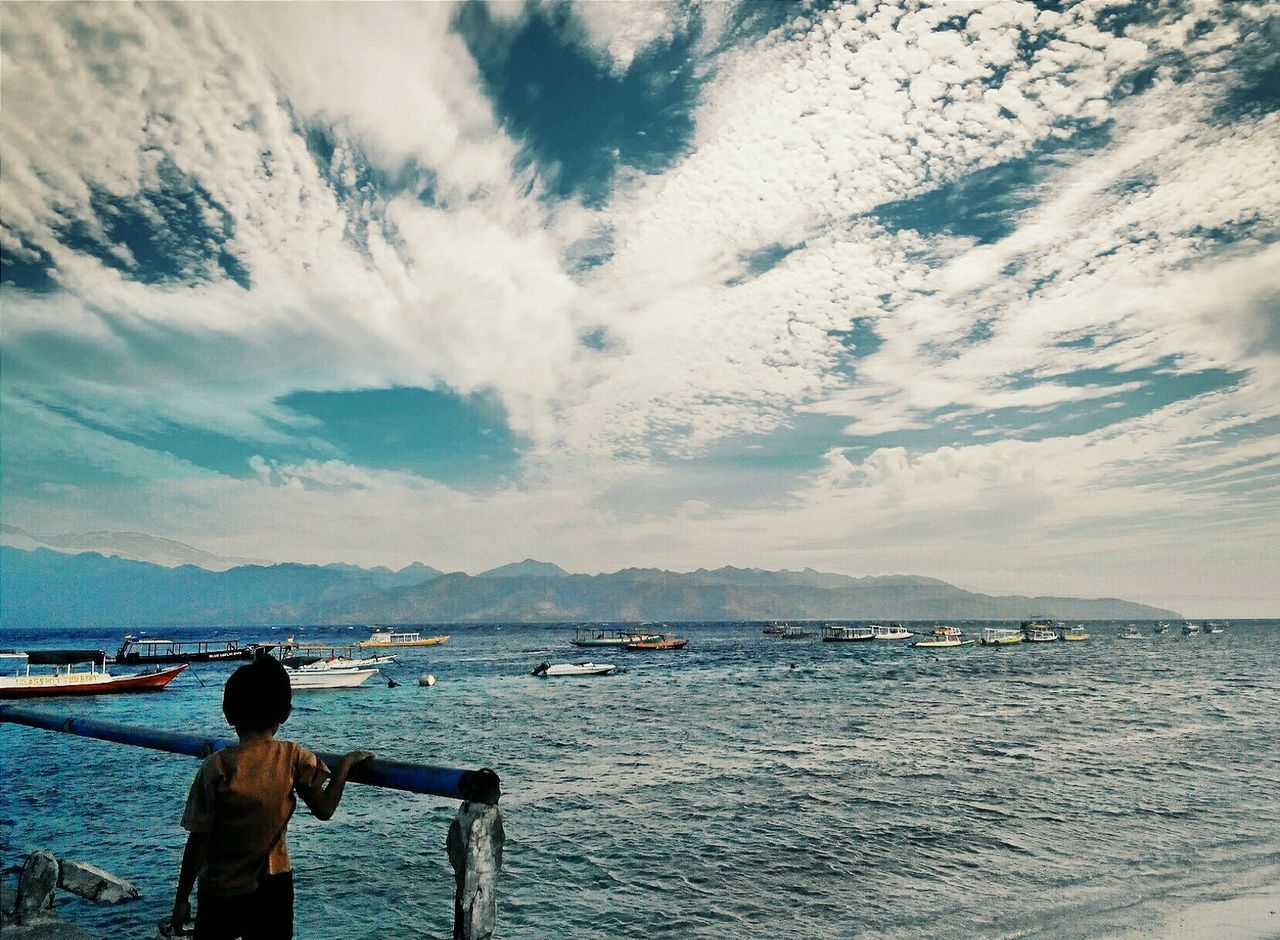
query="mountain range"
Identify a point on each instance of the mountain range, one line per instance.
(41, 587)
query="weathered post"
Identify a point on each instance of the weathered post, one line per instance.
(475, 844)
(475, 837)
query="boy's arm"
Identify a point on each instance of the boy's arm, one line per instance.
(323, 800)
(193, 858)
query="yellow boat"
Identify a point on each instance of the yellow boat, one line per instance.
(389, 638)
(1073, 634)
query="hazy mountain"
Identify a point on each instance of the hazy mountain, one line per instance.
(42, 587)
(131, 545)
(526, 569)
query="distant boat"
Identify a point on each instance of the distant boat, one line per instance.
(390, 638)
(1073, 634)
(774, 629)
(1040, 635)
(1132, 633)
(662, 642)
(1214, 628)
(1161, 628)
(839, 633)
(1191, 629)
(550, 670)
(895, 631)
(296, 655)
(136, 651)
(943, 638)
(793, 632)
(608, 636)
(329, 674)
(18, 681)
(997, 636)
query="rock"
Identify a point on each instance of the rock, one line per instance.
(94, 884)
(36, 884)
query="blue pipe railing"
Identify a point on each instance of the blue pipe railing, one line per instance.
(449, 782)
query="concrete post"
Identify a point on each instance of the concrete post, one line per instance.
(475, 842)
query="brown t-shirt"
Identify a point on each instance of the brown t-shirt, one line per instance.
(243, 797)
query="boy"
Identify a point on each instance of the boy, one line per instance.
(239, 807)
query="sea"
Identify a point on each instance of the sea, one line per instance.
(745, 786)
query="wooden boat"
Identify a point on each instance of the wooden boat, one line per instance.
(306, 654)
(1191, 629)
(135, 651)
(1073, 634)
(792, 632)
(1211, 628)
(18, 681)
(943, 638)
(663, 642)
(1132, 633)
(839, 633)
(549, 670)
(391, 639)
(1041, 635)
(895, 631)
(995, 636)
(608, 636)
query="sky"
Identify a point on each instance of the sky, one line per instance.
(988, 292)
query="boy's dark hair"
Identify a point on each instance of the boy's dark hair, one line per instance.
(258, 695)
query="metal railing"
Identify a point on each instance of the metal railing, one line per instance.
(475, 837)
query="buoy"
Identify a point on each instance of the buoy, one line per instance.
(427, 680)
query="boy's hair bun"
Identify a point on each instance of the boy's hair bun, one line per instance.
(258, 695)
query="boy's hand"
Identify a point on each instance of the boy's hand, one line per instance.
(355, 757)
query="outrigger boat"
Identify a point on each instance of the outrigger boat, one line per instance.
(839, 633)
(995, 636)
(608, 636)
(943, 638)
(1041, 635)
(136, 651)
(1073, 634)
(17, 680)
(895, 631)
(384, 637)
(662, 642)
(548, 670)
(297, 655)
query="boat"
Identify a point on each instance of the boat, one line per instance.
(1041, 635)
(18, 681)
(608, 636)
(382, 637)
(792, 632)
(1161, 628)
(943, 637)
(1132, 632)
(774, 629)
(1214, 628)
(136, 651)
(662, 642)
(1191, 629)
(997, 636)
(895, 631)
(549, 670)
(839, 633)
(1073, 634)
(310, 677)
(306, 654)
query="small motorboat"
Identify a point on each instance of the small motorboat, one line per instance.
(549, 670)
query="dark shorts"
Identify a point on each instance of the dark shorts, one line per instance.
(266, 914)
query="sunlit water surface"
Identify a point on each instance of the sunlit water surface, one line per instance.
(746, 786)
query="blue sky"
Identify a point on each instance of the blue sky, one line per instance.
(988, 293)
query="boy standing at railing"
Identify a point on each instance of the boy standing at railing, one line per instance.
(239, 808)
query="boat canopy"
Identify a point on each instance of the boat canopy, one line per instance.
(66, 657)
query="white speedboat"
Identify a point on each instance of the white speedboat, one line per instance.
(895, 631)
(549, 670)
(346, 677)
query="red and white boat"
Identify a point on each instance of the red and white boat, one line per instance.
(60, 677)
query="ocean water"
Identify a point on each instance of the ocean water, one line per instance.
(746, 786)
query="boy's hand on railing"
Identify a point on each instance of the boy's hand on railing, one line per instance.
(355, 757)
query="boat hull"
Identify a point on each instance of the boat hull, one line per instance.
(248, 652)
(566, 670)
(308, 679)
(96, 684)
(652, 645)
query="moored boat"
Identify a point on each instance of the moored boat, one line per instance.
(943, 637)
(1161, 628)
(895, 631)
(794, 632)
(1131, 632)
(550, 670)
(306, 678)
(1191, 629)
(137, 651)
(1041, 635)
(18, 681)
(589, 636)
(383, 637)
(1073, 634)
(1214, 628)
(997, 636)
(307, 654)
(840, 633)
(663, 642)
